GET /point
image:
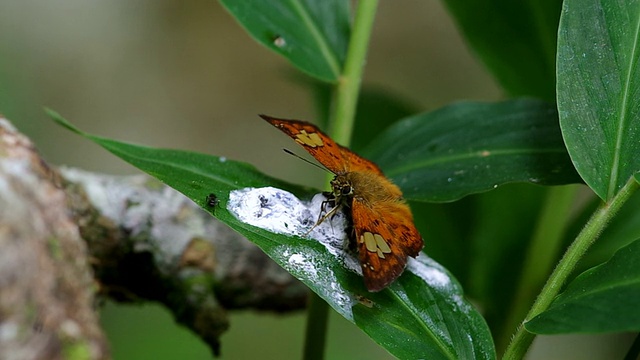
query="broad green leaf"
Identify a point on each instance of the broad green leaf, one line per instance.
(484, 254)
(598, 90)
(472, 147)
(445, 240)
(602, 299)
(193, 174)
(515, 39)
(312, 35)
(421, 314)
(413, 321)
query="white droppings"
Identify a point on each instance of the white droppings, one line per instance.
(309, 266)
(271, 209)
(297, 259)
(428, 270)
(281, 212)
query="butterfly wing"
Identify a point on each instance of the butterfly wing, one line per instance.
(386, 236)
(383, 223)
(338, 159)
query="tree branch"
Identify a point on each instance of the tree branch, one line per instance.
(143, 241)
(46, 297)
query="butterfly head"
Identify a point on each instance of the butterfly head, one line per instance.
(342, 187)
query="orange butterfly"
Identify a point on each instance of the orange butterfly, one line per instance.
(382, 220)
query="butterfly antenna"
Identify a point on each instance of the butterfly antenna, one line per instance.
(305, 160)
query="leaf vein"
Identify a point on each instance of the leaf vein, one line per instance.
(624, 108)
(320, 39)
(390, 172)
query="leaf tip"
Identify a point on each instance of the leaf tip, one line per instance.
(61, 121)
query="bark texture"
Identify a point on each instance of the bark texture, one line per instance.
(46, 284)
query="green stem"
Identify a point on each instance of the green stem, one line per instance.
(340, 129)
(348, 86)
(316, 331)
(543, 252)
(522, 338)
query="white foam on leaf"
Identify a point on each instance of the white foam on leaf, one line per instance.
(430, 271)
(309, 266)
(281, 212)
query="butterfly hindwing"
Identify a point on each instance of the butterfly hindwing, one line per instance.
(386, 236)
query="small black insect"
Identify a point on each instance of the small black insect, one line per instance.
(212, 201)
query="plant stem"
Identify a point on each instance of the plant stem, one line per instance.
(634, 350)
(340, 129)
(598, 221)
(348, 86)
(316, 330)
(543, 252)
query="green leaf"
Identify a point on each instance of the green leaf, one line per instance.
(412, 320)
(602, 299)
(422, 313)
(598, 90)
(515, 39)
(312, 35)
(193, 174)
(472, 147)
(445, 240)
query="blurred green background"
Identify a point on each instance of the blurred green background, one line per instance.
(184, 75)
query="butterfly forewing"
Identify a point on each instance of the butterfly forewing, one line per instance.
(358, 163)
(337, 158)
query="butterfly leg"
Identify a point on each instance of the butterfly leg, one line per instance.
(322, 218)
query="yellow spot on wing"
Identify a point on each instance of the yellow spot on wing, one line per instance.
(375, 243)
(309, 139)
(316, 139)
(370, 242)
(382, 244)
